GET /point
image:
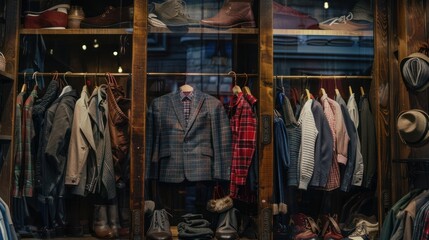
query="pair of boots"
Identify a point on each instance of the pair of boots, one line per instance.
(305, 228)
(106, 221)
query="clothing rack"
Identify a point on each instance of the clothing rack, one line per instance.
(199, 74)
(331, 77)
(74, 74)
(94, 74)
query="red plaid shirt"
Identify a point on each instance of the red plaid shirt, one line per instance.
(243, 128)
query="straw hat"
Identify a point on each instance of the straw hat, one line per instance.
(415, 71)
(413, 127)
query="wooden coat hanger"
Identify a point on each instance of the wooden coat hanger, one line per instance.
(236, 89)
(186, 88)
(246, 89)
(34, 77)
(322, 90)
(362, 92)
(337, 92)
(24, 86)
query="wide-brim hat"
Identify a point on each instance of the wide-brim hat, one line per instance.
(415, 71)
(413, 127)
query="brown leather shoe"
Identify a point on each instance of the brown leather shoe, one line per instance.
(288, 18)
(232, 14)
(121, 17)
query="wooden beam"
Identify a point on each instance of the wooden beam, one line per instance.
(266, 112)
(138, 119)
(11, 51)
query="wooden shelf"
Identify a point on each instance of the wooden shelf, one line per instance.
(198, 30)
(120, 31)
(368, 33)
(6, 76)
(206, 30)
(75, 31)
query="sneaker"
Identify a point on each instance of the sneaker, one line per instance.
(345, 23)
(37, 7)
(173, 13)
(52, 19)
(121, 17)
(360, 233)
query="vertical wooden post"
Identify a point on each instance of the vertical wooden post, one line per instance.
(266, 112)
(138, 119)
(11, 51)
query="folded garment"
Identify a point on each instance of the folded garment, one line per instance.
(286, 40)
(366, 43)
(317, 42)
(186, 232)
(341, 42)
(196, 223)
(190, 216)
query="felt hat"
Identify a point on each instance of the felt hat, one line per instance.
(415, 71)
(413, 127)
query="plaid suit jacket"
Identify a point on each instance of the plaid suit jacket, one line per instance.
(197, 151)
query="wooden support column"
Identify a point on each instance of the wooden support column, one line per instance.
(266, 109)
(138, 119)
(9, 88)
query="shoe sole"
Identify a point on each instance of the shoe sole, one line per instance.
(241, 24)
(115, 25)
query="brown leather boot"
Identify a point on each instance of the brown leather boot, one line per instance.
(331, 230)
(304, 227)
(99, 225)
(234, 13)
(113, 219)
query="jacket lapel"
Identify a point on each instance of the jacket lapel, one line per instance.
(85, 124)
(178, 108)
(196, 104)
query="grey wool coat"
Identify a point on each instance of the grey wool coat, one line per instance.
(197, 151)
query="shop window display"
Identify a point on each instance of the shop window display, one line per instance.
(201, 146)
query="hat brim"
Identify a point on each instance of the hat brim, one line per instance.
(424, 139)
(404, 60)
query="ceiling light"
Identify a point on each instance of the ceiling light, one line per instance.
(84, 47)
(326, 5)
(115, 53)
(96, 45)
(119, 69)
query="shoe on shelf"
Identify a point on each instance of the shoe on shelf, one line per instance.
(303, 227)
(52, 19)
(356, 220)
(37, 7)
(345, 23)
(360, 233)
(154, 21)
(159, 228)
(121, 17)
(232, 14)
(285, 17)
(331, 230)
(172, 13)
